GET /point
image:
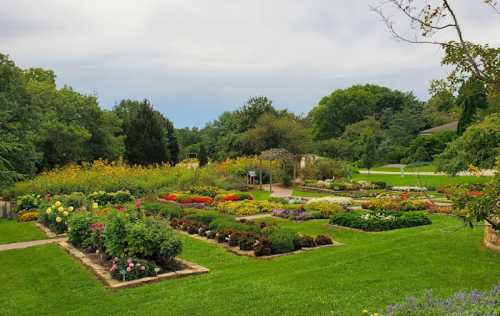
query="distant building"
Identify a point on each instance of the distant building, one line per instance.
(448, 127)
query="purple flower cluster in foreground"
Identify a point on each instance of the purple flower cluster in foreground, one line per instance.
(461, 303)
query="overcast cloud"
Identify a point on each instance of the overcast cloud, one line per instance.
(195, 59)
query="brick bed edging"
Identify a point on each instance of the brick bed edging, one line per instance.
(50, 234)
(103, 274)
(250, 253)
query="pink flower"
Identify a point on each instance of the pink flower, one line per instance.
(120, 209)
(129, 269)
(138, 203)
(143, 268)
(131, 265)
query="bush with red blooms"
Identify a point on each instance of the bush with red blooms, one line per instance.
(188, 199)
(232, 197)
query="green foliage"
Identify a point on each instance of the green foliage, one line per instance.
(79, 228)
(283, 240)
(27, 202)
(426, 147)
(380, 221)
(115, 234)
(471, 97)
(478, 146)
(202, 156)
(105, 198)
(152, 240)
(75, 199)
(165, 210)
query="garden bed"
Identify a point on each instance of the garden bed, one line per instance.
(379, 221)
(92, 262)
(250, 253)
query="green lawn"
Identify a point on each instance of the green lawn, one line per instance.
(423, 168)
(432, 181)
(299, 193)
(261, 195)
(369, 271)
(12, 231)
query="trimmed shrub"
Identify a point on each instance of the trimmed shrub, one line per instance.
(306, 241)
(283, 240)
(322, 240)
(166, 210)
(380, 221)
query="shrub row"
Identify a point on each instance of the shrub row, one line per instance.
(380, 221)
(394, 205)
(263, 239)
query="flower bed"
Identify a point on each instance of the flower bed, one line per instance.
(396, 205)
(461, 303)
(246, 238)
(129, 246)
(101, 269)
(247, 208)
(184, 198)
(380, 221)
(232, 197)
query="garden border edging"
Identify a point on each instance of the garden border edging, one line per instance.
(103, 274)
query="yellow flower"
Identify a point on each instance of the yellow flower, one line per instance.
(49, 210)
(60, 209)
(70, 209)
(95, 205)
(65, 213)
(58, 204)
(365, 312)
(58, 219)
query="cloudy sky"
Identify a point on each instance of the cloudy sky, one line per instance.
(195, 59)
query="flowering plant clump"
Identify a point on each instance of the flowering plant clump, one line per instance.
(461, 303)
(127, 269)
(395, 204)
(233, 197)
(295, 215)
(248, 207)
(379, 221)
(28, 216)
(409, 188)
(344, 201)
(56, 217)
(27, 202)
(185, 198)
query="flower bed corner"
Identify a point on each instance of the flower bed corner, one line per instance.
(103, 274)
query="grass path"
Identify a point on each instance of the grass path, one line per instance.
(369, 271)
(12, 231)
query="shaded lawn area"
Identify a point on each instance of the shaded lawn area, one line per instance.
(369, 271)
(413, 180)
(261, 195)
(12, 231)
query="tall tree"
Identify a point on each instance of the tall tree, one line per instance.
(369, 155)
(202, 156)
(145, 141)
(172, 144)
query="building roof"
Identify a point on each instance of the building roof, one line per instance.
(452, 127)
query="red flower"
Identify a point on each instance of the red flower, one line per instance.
(170, 197)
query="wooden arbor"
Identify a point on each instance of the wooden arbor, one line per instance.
(270, 155)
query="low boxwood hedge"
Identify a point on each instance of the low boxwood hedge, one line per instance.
(380, 221)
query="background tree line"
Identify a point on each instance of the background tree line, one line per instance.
(42, 126)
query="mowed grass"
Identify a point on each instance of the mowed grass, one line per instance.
(413, 180)
(368, 271)
(12, 231)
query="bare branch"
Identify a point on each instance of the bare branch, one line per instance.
(390, 26)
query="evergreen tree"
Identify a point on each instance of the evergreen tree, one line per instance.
(146, 141)
(369, 155)
(203, 156)
(172, 144)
